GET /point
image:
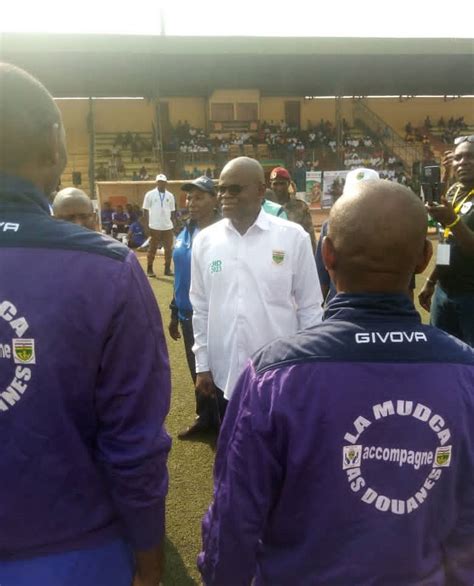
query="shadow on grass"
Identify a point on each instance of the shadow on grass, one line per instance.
(209, 439)
(176, 573)
(168, 280)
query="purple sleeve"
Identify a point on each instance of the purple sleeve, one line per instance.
(459, 549)
(132, 399)
(247, 477)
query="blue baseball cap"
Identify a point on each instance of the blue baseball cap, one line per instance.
(204, 183)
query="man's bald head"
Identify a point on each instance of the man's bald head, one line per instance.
(247, 168)
(241, 189)
(74, 205)
(32, 142)
(377, 238)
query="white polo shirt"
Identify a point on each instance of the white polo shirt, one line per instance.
(248, 290)
(159, 206)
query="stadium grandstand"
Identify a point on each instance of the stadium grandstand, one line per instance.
(135, 105)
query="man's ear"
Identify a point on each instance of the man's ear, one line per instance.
(55, 153)
(425, 257)
(261, 191)
(329, 254)
(51, 151)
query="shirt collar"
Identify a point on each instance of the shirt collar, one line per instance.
(262, 221)
(371, 307)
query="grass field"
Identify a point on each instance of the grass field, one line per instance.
(190, 463)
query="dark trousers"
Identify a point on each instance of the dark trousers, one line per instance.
(210, 410)
(454, 314)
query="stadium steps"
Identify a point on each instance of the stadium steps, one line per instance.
(104, 143)
(77, 163)
(366, 118)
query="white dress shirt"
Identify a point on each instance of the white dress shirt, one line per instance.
(248, 290)
(159, 206)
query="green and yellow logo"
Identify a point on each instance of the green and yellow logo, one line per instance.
(443, 457)
(24, 351)
(278, 256)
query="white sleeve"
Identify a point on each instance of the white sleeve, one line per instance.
(200, 302)
(306, 287)
(146, 201)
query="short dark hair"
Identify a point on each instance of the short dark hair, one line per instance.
(27, 112)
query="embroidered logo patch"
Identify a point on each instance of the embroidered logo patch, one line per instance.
(24, 351)
(352, 456)
(278, 256)
(442, 457)
(215, 266)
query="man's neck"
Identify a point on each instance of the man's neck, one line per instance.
(243, 224)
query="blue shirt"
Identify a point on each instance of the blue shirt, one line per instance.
(108, 564)
(120, 217)
(274, 209)
(106, 217)
(138, 233)
(182, 271)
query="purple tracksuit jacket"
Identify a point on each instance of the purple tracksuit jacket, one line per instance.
(347, 457)
(84, 386)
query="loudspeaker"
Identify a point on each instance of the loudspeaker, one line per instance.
(76, 178)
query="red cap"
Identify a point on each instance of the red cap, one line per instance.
(280, 173)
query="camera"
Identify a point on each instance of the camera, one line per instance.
(431, 184)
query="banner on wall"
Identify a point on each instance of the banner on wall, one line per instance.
(333, 184)
(313, 188)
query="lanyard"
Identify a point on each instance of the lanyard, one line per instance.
(457, 208)
(162, 197)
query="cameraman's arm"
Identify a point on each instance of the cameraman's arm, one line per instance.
(446, 216)
(425, 295)
(464, 237)
(447, 168)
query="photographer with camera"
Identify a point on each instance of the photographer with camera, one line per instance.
(449, 291)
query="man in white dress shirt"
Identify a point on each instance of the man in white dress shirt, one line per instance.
(253, 279)
(160, 210)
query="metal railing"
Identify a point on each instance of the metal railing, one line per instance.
(407, 153)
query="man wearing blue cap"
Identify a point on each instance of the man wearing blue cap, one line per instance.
(201, 200)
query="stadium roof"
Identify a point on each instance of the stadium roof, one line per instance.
(113, 65)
